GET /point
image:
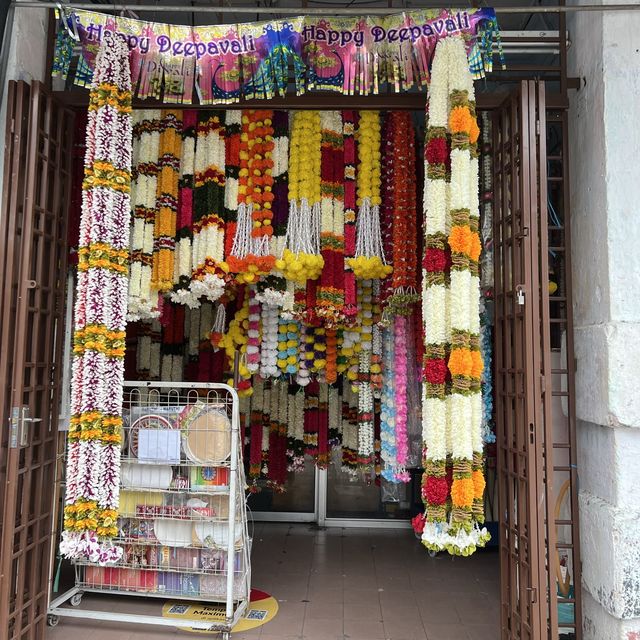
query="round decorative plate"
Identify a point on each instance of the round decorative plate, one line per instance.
(151, 421)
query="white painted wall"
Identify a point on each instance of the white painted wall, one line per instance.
(605, 219)
(26, 61)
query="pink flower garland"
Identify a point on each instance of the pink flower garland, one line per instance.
(400, 365)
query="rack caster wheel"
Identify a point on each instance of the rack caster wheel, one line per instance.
(433, 554)
(76, 599)
(52, 621)
(226, 635)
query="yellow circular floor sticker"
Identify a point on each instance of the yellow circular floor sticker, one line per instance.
(262, 608)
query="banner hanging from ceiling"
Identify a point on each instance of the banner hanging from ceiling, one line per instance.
(222, 64)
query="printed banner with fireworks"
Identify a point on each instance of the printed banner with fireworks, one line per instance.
(224, 63)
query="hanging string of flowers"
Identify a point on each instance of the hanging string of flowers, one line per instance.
(369, 261)
(457, 434)
(301, 259)
(143, 304)
(167, 203)
(295, 430)
(349, 120)
(93, 459)
(349, 458)
(207, 261)
(435, 307)
(330, 295)
(388, 410)
(250, 254)
(233, 132)
(184, 235)
(404, 229)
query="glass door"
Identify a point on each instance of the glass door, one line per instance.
(298, 503)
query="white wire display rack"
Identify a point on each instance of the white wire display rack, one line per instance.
(182, 519)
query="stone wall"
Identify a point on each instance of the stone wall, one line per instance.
(605, 219)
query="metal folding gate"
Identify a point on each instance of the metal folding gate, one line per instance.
(33, 244)
(536, 450)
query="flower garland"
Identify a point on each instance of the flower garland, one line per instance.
(171, 350)
(142, 303)
(208, 268)
(277, 470)
(452, 420)
(330, 295)
(250, 254)
(349, 456)
(365, 391)
(369, 261)
(301, 259)
(162, 272)
(233, 133)
(256, 435)
(236, 339)
(335, 416)
(305, 355)
(272, 290)
(349, 120)
(288, 343)
(93, 460)
(311, 418)
(401, 371)
(253, 332)
(295, 428)
(435, 306)
(388, 410)
(181, 293)
(404, 228)
(486, 273)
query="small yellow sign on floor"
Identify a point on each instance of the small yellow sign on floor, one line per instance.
(262, 608)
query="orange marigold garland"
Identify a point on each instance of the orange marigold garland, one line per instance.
(167, 212)
(250, 254)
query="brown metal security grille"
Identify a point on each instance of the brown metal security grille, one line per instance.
(35, 202)
(514, 346)
(535, 432)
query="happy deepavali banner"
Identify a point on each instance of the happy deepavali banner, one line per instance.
(224, 63)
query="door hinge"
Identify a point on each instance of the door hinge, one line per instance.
(18, 430)
(538, 127)
(533, 594)
(520, 295)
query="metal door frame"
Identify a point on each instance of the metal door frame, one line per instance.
(526, 438)
(35, 202)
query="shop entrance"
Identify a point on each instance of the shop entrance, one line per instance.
(533, 382)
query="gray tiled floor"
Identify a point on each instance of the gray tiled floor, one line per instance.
(353, 584)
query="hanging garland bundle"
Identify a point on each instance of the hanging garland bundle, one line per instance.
(349, 120)
(162, 273)
(93, 461)
(277, 468)
(349, 458)
(253, 332)
(369, 261)
(301, 259)
(184, 235)
(207, 261)
(404, 233)
(295, 428)
(388, 410)
(452, 413)
(330, 294)
(250, 254)
(233, 132)
(143, 305)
